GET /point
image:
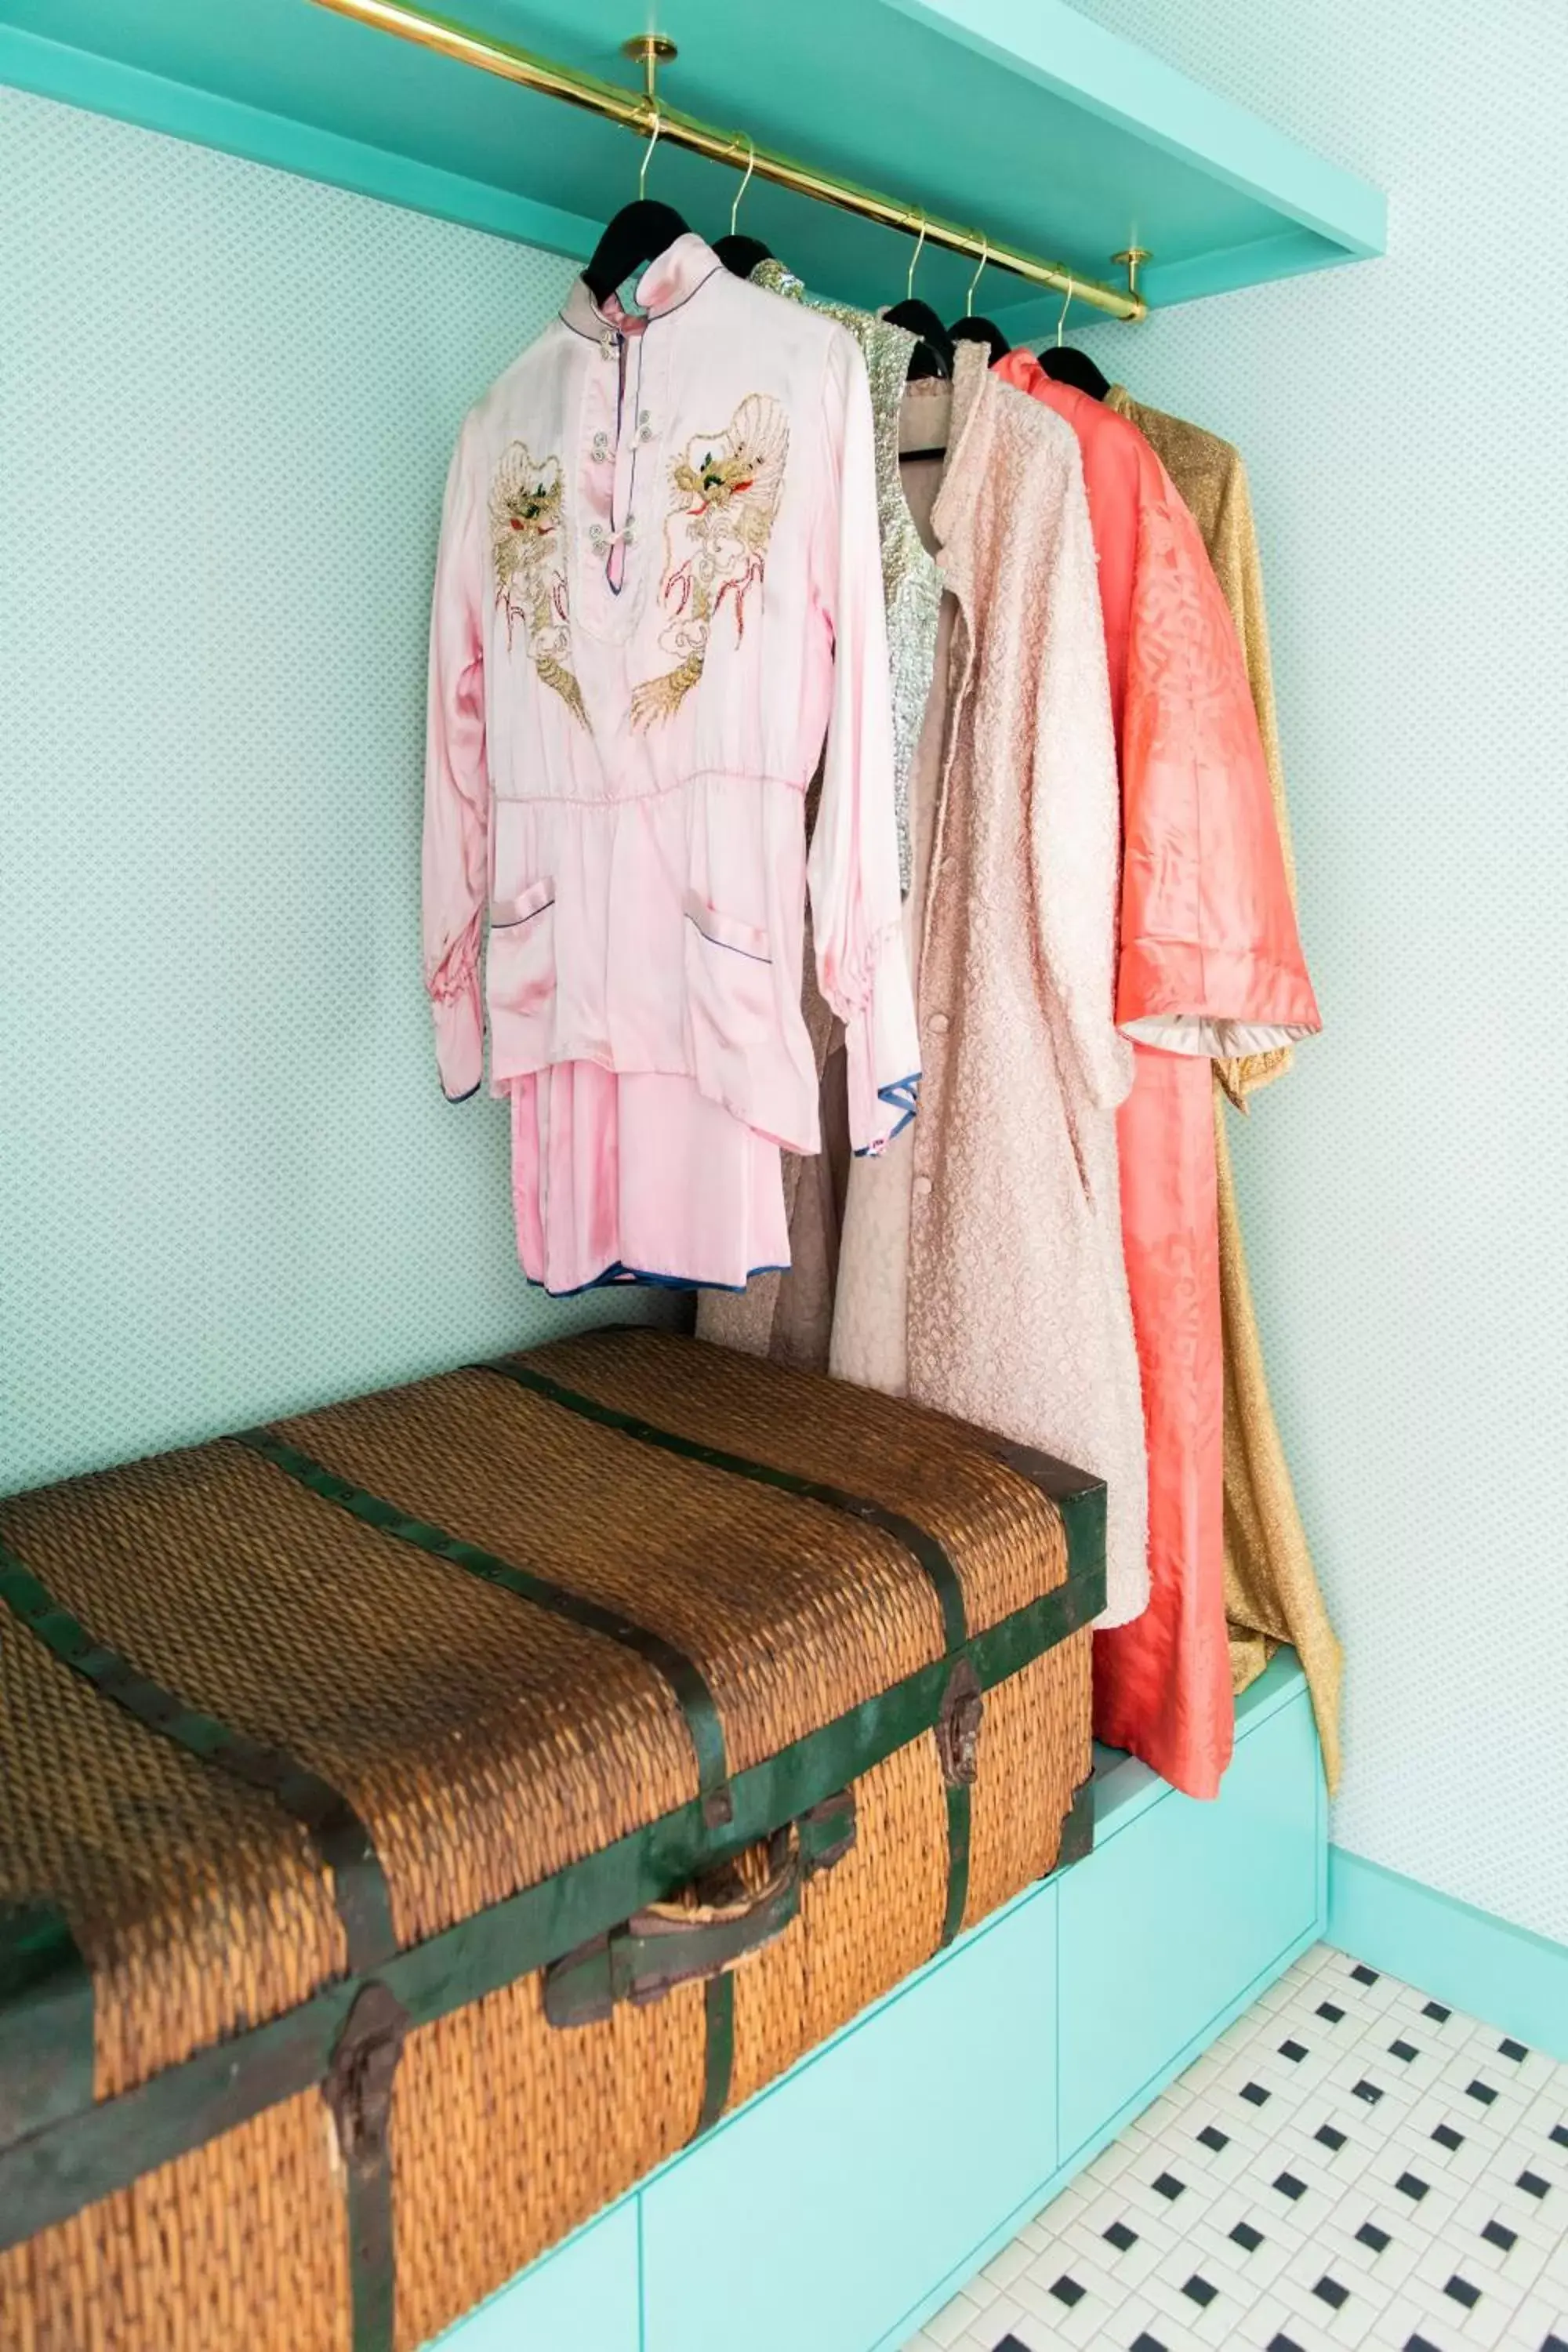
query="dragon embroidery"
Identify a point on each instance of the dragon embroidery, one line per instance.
(724, 495)
(528, 545)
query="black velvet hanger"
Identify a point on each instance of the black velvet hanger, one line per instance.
(981, 331)
(932, 355)
(1064, 365)
(741, 254)
(637, 235)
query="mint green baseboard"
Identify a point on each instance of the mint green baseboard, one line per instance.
(1505, 1974)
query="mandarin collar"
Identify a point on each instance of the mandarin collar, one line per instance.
(665, 285)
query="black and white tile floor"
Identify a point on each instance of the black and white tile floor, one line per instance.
(1350, 2165)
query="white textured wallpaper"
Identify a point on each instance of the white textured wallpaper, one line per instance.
(229, 1184)
(1405, 1191)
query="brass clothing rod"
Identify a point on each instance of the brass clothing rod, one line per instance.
(636, 111)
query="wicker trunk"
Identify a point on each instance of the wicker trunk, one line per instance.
(419, 1819)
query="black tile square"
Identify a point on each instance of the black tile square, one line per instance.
(1363, 1974)
(1255, 2095)
(1332, 2292)
(1327, 2008)
(1368, 2091)
(1247, 2237)
(1144, 2342)
(1435, 2011)
(1067, 2290)
(1532, 2184)
(1213, 2137)
(1418, 2344)
(1463, 2292)
(1168, 2186)
(1329, 2137)
(1200, 2290)
(1120, 2236)
(1410, 2186)
(1481, 2091)
(1009, 2344)
(1288, 2186)
(1554, 2344)
(1447, 2136)
(1498, 2234)
(1514, 2050)
(1559, 2133)
(1369, 2234)
(1405, 2049)
(1283, 2343)
(1294, 2051)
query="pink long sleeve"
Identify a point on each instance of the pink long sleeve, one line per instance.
(457, 790)
(853, 870)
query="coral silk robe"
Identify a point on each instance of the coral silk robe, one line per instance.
(1210, 964)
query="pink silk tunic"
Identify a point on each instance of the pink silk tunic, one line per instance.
(658, 588)
(1209, 963)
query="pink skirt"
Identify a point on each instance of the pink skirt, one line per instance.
(639, 1178)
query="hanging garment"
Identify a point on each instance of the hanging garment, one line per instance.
(1210, 966)
(868, 1339)
(658, 590)
(912, 585)
(1271, 1593)
(983, 1258)
(787, 1314)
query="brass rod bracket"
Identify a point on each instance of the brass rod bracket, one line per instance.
(649, 51)
(1132, 258)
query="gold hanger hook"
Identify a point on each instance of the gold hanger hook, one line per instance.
(910, 281)
(751, 167)
(648, 159)
(984, 257)
(1066, 306)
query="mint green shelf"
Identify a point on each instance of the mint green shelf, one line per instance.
(1017, 116)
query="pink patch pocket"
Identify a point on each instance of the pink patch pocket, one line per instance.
(724, 932)
(520, 978)
(506, 913)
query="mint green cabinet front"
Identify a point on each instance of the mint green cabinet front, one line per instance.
(582, 2298)
(1178, 1915)
(823, 2212)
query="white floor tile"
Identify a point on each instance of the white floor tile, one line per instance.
(1182, 2233)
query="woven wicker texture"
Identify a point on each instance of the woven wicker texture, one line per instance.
(737, 1575)
(507, 2133)
(863, 1925)
(196, 1903)
(239, 2247)
(1006, 1540)
(485, 1742)
(1035, 1749)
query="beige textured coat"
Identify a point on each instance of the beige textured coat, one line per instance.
(1018, 1314)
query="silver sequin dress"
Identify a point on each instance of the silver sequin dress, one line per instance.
(912, 581)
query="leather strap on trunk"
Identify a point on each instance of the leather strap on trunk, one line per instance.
(340, 1839)
(684, 1677)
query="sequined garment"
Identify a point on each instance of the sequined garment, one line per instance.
(911, 582)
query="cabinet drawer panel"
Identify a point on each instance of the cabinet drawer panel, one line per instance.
(823, 2213)
(585, 2297)
(1178, 1913)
